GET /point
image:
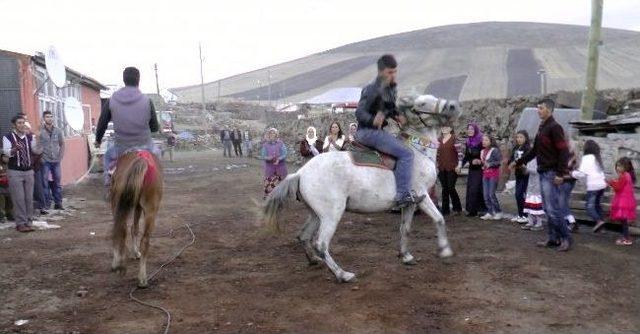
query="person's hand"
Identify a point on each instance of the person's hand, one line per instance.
(401, 119)
(476, 162)
(458, 170)
(96, 144)
(276, 161)
(558, 180)
(512, 166)
(378, 120)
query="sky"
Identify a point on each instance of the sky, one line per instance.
(100, 38)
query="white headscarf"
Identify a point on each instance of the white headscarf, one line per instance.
(311, 140)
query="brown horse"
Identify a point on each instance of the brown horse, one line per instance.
(136, 186)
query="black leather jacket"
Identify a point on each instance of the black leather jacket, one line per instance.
(376, 97)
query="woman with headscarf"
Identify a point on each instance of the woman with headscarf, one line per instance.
(310, 146)
(475, 197)
(274, 153)
(353, 128)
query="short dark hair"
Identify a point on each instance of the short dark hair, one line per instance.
(549, 103)
(387, 61)
(131, 76)
(47, 112)
(15, 118)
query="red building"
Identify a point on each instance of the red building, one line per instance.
(24, 88)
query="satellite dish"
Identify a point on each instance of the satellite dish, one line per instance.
(55, 67)
(73, 113)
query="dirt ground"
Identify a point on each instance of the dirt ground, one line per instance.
(237, 279)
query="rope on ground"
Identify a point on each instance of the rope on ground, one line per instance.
(162, 266)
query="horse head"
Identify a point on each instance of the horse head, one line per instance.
(427, 113)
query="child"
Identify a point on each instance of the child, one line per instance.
(533, 202)
(522, 178)
(623, 205)
(591, 170)
(491, 158)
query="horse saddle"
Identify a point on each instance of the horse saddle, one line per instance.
(362, 155)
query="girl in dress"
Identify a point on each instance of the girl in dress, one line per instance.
(533, 201)
(623, 205)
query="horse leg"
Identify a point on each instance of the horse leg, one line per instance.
(119, 239)
(135, 231)
(325, 234)
(306, 236)
(405, 228)
(149, 223)
(427, 206)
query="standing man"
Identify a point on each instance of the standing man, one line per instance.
(225, 138)
(171, 144)
(377, 104)
(51, 140)
(134, 118)
(18, 146)
(236, 138)
(551, 150)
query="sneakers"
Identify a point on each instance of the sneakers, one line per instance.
(565, 246)
(528, 226)
(523, 220)
(43, 212)
(548, 244)
(497, 216)
(409, 199)
(487, 216)
(537, 226)
(58, 207)
(624, 242)
(515, 219)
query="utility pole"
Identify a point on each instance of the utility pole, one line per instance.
(155, 68)
(543, 81)
(269, 89)
(218, 91)
(589, 95)
(204, 107)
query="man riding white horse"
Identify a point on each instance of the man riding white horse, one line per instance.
(377, 104)
(134, 118)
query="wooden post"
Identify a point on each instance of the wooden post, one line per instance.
(589, 95)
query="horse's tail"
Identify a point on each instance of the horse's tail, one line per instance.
(125, 192)
(274, 203)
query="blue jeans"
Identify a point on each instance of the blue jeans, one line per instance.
(55, 190)
(489, 187)
(566, 188)
(39, 182)
(387, 143)
(553, 207)
(114, 151)
(594, 209)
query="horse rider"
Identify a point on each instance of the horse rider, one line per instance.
(377, 104)
(134, 118)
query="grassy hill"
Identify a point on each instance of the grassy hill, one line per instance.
(466, 61)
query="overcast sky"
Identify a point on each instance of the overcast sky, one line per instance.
(100, 38)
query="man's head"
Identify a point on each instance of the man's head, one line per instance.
(545, 108)
(48, 117)
(387, 69)
(18, 122)
(131, 76)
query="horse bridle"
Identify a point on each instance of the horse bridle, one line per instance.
(438, 115)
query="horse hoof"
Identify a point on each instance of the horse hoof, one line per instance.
(143, 284)
(347, 277)
(120, 270)
(408, 259)
(446, 252)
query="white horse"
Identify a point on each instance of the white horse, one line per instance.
(330, 183)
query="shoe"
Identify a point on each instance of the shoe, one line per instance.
(573, 227)
(58, 207)
(624, 242)
(515, 219)
(536, 227)
(456, 213)
(548, 244)
(523, 220)
(470, 214)
(598, 226)
(565, 245)
(24, 228)
(409, 199)
(497, 216)
(487, 216)
(528, 226)
(44, 212)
